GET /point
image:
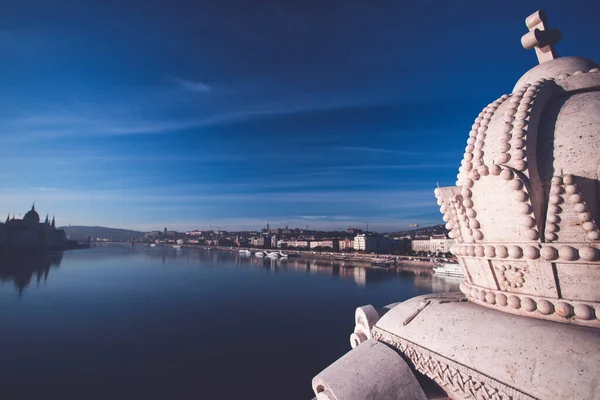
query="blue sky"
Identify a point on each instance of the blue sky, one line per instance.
(185, 114)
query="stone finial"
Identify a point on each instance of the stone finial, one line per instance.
(540, 37)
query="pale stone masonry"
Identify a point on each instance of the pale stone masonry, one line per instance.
(523, 213)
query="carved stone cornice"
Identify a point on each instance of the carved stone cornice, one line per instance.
(458, 380)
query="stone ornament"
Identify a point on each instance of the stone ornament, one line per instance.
(527, 187)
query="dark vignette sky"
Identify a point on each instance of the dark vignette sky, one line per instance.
(145, 114)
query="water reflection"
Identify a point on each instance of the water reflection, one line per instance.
(21, 269)
(360, 273)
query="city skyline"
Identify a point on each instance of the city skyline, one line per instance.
(141, 116)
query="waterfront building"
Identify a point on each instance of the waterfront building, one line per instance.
(372, 243)
(346, 244)
(334, 244)
(434, 244)
(526, 322)
(31, 234)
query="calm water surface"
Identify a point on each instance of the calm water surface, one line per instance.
(124, 322)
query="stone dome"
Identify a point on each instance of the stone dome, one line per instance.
(32, 216)
(527, 199)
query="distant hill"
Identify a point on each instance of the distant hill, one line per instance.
(82, 233)
(424, 231)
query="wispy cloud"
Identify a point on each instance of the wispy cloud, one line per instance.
(361, 149)
(192, 86)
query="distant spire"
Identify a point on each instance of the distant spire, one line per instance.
(7, 218)
(53, 224)
(46, 221)
(13, 216)
(33, 206)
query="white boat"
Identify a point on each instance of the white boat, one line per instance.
(273, 254)
(153, 245)
(176, 246)
(283, 255)
(449, 269)
(259, 254)
(245, 253)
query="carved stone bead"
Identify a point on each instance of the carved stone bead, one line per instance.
(580, 208)
(531, 252)
(490, 298)
(501, 299)
(583, 311)
(564, 309)
(518, 154)
(568, 253)
(477, 235)
(554, 209)
(571, 189)
(524, 208)
(471, 213)
(552, 228)
(575, 198)
(554, 199)
(468, 203)
(490, 251)
(589, 226)
(501, 251)
(474, 224)
(474, 175)
(479, 252)
(495, 169)
(568, 179)
(585, 217)
(545, 307)
(520, 165)
(556, 190)
(593, 235)
(553, 218)
(504, 158)
(514, 301)
(468, 183)
(518, 143)
(471, 251)
(481, 295)
(528, 221)
(516, 184)
(589, 253)
(557, 180)
(521, 196)
(550, 236)
(528, 304)
(483, 170)
(549, 253)
(515, 251)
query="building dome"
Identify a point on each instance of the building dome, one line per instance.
(527, 199)
(32, 216)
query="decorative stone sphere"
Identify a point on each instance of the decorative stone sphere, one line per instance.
(515, 251)
(549, 253)
(564, 309)
(589, 253)
(583, 311)
(568, 253)
(514, 301)
(501, 299)
(528, 304)
(545, 307)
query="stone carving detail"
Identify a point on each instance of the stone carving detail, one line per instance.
(453, 377)
(560, 310)
(511, 276)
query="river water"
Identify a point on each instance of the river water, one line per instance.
(123, 322)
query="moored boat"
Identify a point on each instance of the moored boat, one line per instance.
(449, 269)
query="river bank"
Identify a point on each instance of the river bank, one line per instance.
(367, 259)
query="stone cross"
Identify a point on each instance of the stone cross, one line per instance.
(540, 37)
